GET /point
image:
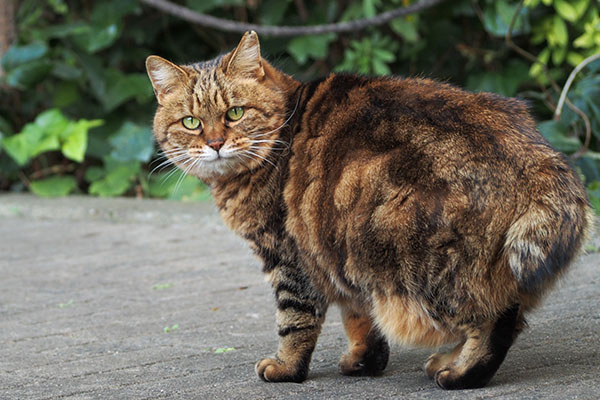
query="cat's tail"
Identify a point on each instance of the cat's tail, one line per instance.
(546, 237)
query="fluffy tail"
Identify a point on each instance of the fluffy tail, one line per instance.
(543, 241)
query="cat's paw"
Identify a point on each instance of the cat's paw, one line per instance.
(435, 363)
(369, 363)
(451, 378)
(272, 370)
(440, 361)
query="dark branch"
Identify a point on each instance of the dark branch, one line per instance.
(281, 31)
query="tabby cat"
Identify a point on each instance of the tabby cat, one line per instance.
(428, 214)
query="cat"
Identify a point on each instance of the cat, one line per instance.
(430, 215)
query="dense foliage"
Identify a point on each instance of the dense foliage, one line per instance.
(76, 105)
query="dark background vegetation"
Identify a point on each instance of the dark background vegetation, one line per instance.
(76, 105)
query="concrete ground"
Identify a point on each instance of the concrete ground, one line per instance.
(133, 299)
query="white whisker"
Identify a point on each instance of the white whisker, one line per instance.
(177, 168)
(168, 161)
(259, 156)
(282, 125)
(184, 174)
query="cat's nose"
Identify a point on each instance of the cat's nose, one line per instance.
(216, 144)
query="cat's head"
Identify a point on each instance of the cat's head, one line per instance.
(222, 116)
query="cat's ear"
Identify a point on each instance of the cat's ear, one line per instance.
(245, 60)
(164, 75)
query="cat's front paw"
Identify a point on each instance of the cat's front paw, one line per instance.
(273, 370)
(435, 363)
(440, 361)
(455, 378)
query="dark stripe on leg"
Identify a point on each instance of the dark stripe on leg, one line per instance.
(292, 329)
(297, 305)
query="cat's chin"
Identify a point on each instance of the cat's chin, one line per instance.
(214, 169)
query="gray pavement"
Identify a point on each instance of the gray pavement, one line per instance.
(147, 299)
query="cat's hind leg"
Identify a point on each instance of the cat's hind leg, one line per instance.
(368, 351)
(481, 354)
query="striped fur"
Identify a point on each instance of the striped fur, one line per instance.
(429, 214)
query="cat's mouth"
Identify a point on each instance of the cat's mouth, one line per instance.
(207, 154)
(207, 163)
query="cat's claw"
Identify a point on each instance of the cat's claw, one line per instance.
(273, 370)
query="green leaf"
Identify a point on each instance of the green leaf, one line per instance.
(369, 9)
(54, 186)
(505, 82)
(556, 133)
(584, 41)
(65, 30)
(94, 174)
(5, 128)
(574, 58)
(407, 28)
(66, 93)
(273, 11)
(531, 3)
(66, 71)
(560, 31)
(19, 55)
(379, 67)
(498, 15)
(558, 55)
(96, 38)
(118, 179)
(27, 75)
(121, 88)
(94, 72)
(23, 146)
(593, 192)
(592, 155)
(19, 146)
(580, 7)
(162, 286)
(303, 47)
(132, 142)
(59, 6)
(566, 10)
(75, 138)
(221, 350)
(66, 305)
(537, 68)
(51, 130)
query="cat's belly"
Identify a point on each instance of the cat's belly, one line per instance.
(406, 321)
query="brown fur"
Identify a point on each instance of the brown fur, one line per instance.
(431, 215)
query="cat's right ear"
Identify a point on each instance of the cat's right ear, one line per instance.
(245, 60)
(164, 75)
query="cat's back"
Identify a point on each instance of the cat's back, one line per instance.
(417, 133)
(384, 113)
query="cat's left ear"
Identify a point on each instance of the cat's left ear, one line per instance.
(165, 76)
(245, 60)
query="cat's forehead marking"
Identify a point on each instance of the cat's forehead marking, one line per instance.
(208, 89)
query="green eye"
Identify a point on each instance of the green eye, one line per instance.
(235, 113)
(191, 122)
